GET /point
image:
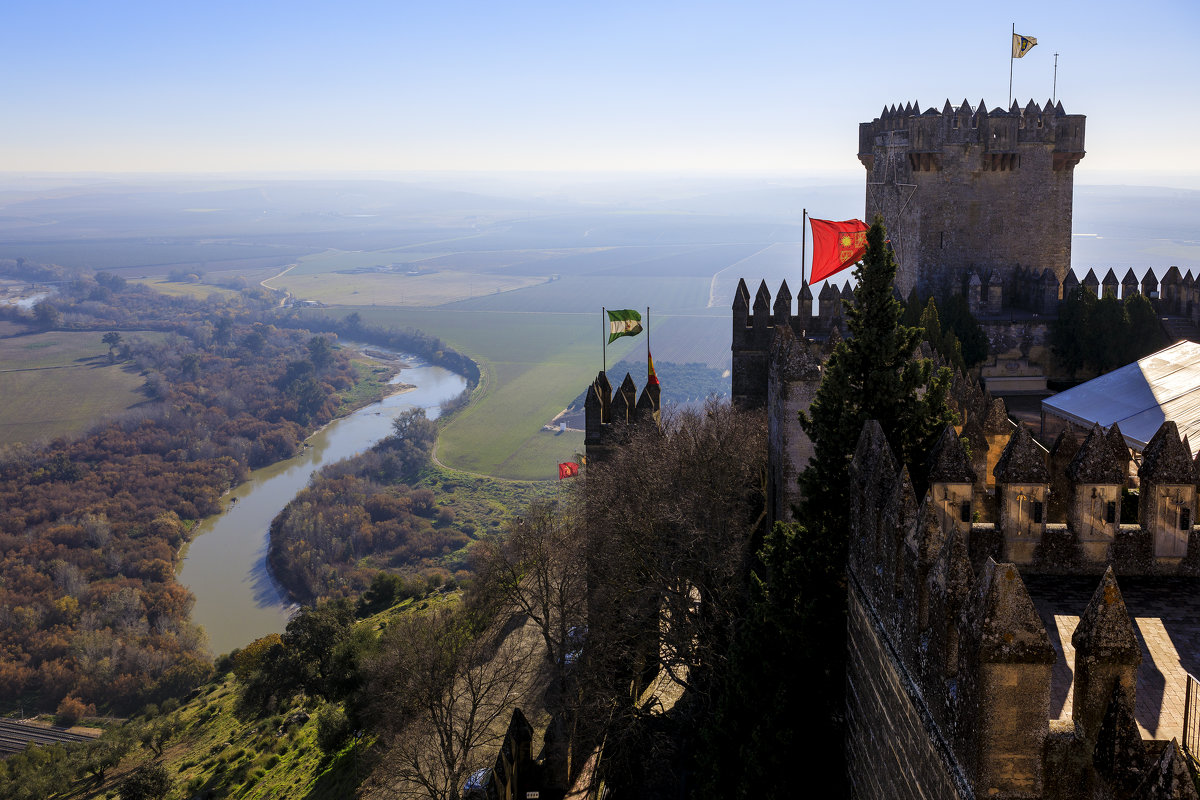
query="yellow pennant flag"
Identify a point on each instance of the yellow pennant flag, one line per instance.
(1022, 45)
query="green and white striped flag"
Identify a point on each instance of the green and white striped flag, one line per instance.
(625, 322)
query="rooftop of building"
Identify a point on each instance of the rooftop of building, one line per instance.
(1163, 386)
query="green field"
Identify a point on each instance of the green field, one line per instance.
(398, 289)
(200, 291)
(60, 383)
(534, 364)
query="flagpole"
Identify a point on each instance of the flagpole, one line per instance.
(803, 242)
(647, 336)
(603, 342)
(1054, 91)
(1010, 62)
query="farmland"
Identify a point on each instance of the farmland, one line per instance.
(43, 376)
(517, 282)
(390, 289)
(533, 365)
(537, 331)
(178, 289)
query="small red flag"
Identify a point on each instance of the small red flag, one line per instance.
(652, 377)
(836, 245)
(568, 470)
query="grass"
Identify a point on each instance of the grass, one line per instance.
(10, 328)
(61, 383)
(334, 260)
(484, 503)
(370, 385)
(200, 291)
(398, 289)
(533, 365)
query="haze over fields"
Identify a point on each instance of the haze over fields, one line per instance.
(511, 269)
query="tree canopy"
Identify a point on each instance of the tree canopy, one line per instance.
(1097, 335)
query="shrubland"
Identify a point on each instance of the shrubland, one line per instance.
(388, 509)
(91, 527)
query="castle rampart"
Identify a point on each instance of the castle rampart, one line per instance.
(950, 665)
(609, 415)
(1018, 334)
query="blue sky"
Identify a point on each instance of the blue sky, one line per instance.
(666, 86)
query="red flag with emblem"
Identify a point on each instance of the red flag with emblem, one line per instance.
(568, 470)
(836, 245)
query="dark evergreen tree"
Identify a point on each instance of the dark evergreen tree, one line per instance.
(776, 715)
(957, 319)
(1107, 344)
(872, 375)
(912, 310)
(1146, 333)
(1101, 335)
(1068, 336)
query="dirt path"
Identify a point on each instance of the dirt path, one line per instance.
(286, 294)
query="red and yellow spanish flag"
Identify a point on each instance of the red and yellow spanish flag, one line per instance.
(836, 245)
(568, 470)
(651, 376)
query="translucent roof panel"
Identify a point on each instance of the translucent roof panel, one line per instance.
(1140, 396)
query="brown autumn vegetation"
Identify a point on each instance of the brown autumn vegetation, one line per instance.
(361, 516)
(90, 528)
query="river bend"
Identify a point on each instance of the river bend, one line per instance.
(225, 566)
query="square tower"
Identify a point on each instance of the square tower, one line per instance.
(967, 190)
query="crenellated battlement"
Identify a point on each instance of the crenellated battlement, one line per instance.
(610, 414)
(999, 133)
(1035, 293)
(970, 188)
(946, 637)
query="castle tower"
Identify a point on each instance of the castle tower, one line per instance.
(609, 415)
(753, 329)
(792, 382)
(969, 188)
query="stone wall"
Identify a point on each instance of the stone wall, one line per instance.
(973, 189)
(949, 663)
(894, 749)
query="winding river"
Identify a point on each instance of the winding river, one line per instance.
(225, 566)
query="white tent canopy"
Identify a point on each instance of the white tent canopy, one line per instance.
(1139, 397)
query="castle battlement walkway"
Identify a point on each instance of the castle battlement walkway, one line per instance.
(1166, 618)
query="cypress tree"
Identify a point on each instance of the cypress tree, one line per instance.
(874, 374)
(765, 732)
(1068, 336)
(958, 319)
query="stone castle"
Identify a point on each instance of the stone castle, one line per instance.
(970, 192)
(950, 665)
